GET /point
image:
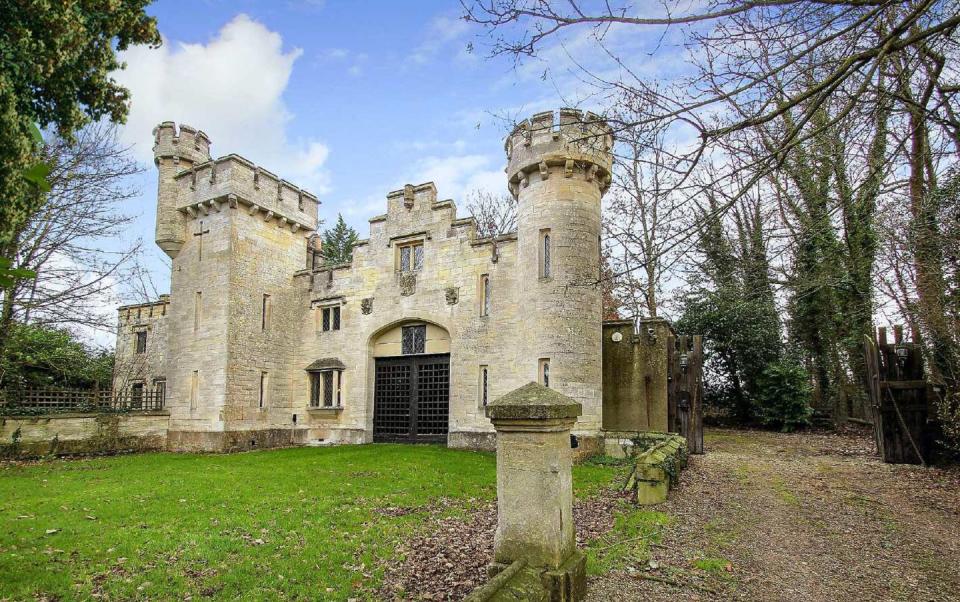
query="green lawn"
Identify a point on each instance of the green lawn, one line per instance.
(282, 524)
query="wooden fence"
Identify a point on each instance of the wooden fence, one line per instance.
(57, 401)
(899, 397)
(685, 389)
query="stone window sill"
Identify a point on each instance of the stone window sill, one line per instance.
(325, 410)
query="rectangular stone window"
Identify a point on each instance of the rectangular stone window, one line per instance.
(265, 311)
(484, 386)
(160, 389)
(325, 388)
(331, 318)
(264, 384)
(485, 295)
(197, 310)
(546, 268)
(413, 339)
(544, 372)
(410, 257)
(141, 341)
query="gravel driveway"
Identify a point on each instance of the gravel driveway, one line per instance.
(769, 516)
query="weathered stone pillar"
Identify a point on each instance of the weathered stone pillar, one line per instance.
(535, 488)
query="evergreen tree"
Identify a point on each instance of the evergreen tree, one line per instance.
(733, 291)
(338, 243)
(57, 60)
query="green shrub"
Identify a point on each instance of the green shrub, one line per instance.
(783, 398)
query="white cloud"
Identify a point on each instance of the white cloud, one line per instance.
(455, 175)
(443, 32)
(232, 88)
(353, 62)
(458, 175)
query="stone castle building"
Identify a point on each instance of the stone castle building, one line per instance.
(259, 345)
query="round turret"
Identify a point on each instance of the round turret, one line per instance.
(558, 169)
(173, 152)
(576, 143)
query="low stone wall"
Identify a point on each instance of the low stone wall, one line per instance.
(60, 434)
(235, 441)
(657, 469)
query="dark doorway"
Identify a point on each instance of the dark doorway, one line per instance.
(411, 399)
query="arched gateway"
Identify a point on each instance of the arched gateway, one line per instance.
(411, 390)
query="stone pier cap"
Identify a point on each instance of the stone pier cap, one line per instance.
(533, 401)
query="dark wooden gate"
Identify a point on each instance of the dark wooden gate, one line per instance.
(685, 389)
(411, 399)
(899, 397)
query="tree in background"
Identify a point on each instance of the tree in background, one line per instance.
(38, 356)
(495, 214)
(644, 211)
(64, 239)
(338, 242)
(57, 59)
(835, 125)
(732, 304)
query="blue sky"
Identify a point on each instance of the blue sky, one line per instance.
(348, 99)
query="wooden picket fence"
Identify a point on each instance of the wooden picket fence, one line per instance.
(685, 389)
(899, 397)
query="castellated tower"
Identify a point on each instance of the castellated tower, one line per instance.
(558, 169)
(237, 234)
(174, 152)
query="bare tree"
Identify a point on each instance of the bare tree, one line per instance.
(849, 37)
(644, 212)
(496, 214)
(722, 85)
(70, 241)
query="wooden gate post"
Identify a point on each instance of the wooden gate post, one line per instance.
(685, 359)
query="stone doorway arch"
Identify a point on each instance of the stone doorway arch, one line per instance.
(411, 385)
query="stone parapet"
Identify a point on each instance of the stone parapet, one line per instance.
(570, 143)
(233, 181)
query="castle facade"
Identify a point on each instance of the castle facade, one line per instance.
(258, 344)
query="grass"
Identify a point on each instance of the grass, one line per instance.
(712, 565)
(783, 492)
(270, 525)
(628, 543)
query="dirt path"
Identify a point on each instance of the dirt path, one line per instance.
(767, 516)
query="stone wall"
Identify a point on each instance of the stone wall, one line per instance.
(445, 294)
(84, 433)
(635, 376)
(148, 367)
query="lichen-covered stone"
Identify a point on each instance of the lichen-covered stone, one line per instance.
(533, 401)
(657, 469)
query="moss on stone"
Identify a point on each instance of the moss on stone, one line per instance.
(533, 401)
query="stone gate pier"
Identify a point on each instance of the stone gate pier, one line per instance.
(535, 554)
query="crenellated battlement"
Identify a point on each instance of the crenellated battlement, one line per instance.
(569, 142)
(186, 144)
(138, 312)
(234, 179)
